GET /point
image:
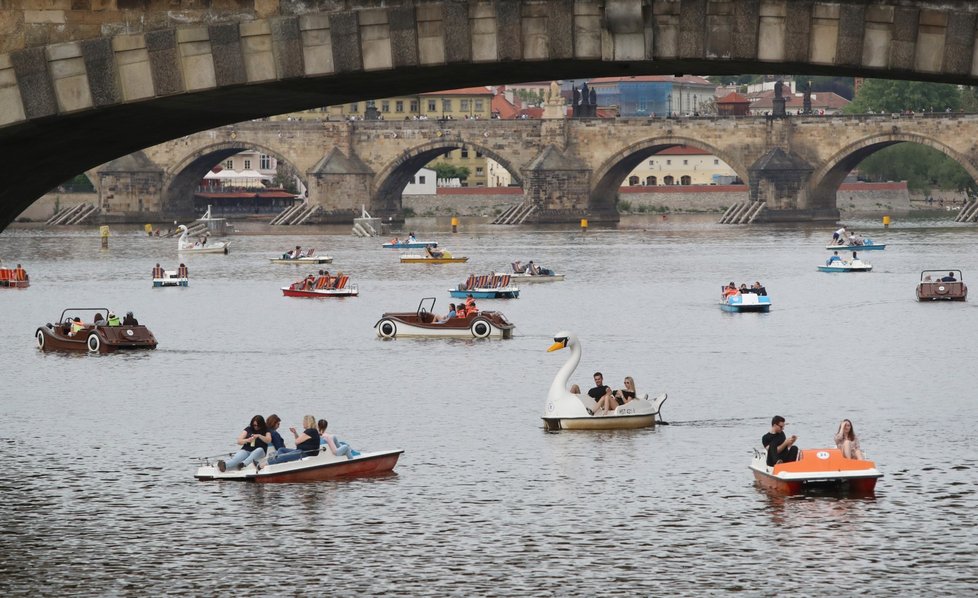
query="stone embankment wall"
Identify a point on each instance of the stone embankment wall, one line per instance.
(464, 201)
(47, 206)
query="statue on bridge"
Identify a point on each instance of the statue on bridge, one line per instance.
(806, 107)
(779, 101)
(554, 107)
(585, 102)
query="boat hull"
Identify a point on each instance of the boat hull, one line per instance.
(816, 470)
(746, 303)
(500, 293)
(170, 282)
(869, 247)
(864, 268)
(942, 291)
(414, 245)
(109, 339)
(603, 422)
(320, 468)
(15, 284)
(418, 259)
(306, 261)
(224, 248)
(351, 291)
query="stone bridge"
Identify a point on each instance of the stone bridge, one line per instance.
(85, 81)
(568, 168)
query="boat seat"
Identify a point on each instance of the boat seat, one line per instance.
(341, 281)
(310, 252)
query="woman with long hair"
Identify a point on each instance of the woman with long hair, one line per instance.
(253, 441)
(847, 441)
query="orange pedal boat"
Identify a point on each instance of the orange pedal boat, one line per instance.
(819, 468)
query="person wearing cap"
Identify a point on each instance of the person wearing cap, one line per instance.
(114, 320)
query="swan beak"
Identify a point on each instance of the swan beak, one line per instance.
(557, 346)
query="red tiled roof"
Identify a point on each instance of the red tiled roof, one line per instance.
(820, 99)
(504, 107)
(733, 98)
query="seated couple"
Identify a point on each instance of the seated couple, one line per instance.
(608, 400)
(782, 449)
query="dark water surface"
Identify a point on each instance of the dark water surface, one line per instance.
(98, 451)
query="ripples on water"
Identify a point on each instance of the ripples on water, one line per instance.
(99, 451)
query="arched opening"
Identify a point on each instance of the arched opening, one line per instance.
(234, 179)
(685, 180)
(888, 159)
(661, 162)
(477, 170)
(633, 180)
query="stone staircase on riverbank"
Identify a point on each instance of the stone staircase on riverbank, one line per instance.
(968, 212)
(297, 214)
(516, 214)
(77, 214)
(744, 212)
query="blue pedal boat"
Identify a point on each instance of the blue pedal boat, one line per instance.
(488, 286)
(745, 303)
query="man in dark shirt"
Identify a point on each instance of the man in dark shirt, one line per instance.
(779, 447)
(601, 394)
(949, 278)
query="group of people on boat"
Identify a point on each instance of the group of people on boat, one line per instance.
(410, 239)
(844, 236)
(432, 252)
(461, 310)
(159, 272)
(836, 258)
(732, 289)
(294, 254)
(321, 281)
(781, 448)
(10, 277)
(531, 269)
(606, 399)
(261, 439)
(77, 326)
(949, 278)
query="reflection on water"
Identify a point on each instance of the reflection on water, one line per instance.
(99, 451)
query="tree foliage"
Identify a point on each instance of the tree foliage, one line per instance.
(923, 168)
(883, 95)
(285, 177)
(450, 171)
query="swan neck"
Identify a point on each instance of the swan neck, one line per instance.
(564, 374)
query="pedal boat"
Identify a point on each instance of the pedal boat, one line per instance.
(936, 290)
(489, 286)
(341, 289)
(184, 245)
(846, 266)
(481, 324)
(317, 468)
(565, 410)
(447, 258)
(171, 278)
(867, 246)
(746, 302)
(94, 338)
(523, 277)
(816, 469)
(410, 245)
(14, 278)
(318, 259)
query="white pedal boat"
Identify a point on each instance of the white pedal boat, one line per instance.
(319, 259)
(565, 410)
(856, 265)
(321, 467)
(184, 245)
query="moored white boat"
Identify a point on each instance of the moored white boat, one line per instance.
(317, 468)
(819, 468)
(565, 410)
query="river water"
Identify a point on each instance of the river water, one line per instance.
(99, 452)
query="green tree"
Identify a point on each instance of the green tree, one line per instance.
(923, 168)
(450, 171)
(884, 95)
(285, 177)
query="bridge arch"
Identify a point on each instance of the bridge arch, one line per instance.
(613, 171)
(826, 179)
(183, 177)
(391, 180)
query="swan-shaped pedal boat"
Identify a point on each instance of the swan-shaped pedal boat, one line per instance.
(819, 468)
(184, 245)
(568, 411)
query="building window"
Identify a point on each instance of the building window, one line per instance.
(651, 162)
(685, 180)
(421, 180)
(668, 162)
(464, 105)
(229, 164)
(668, 180)
(448, 155)
(385, 106)
(247, 164)
(651, 182)
(265, 161)
(446, 105)
(479, 171)
(465, 153)
(478, 154)
(632, 181)
(414, 105)
(355, 107)
(685, 162)
(432, 106)
(716, 162)
(399, 106)
(478, 106)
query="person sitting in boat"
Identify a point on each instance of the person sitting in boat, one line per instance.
(306, 444)
(758, 290)
(395, 241)
(460, 311)
(949, 278)
(625, 395)
(730, 290)
(253, 441)
(601, 393)
(470, 307)
(114, 320)
(97, 320)
(847, 442)
(273, 422)
(532, 269)
(433, 253)
(451, 314)
(309, 283)
(411, 238)
(158, 271)
(201, 241)
(743, 290)
(839, 236)
(76, 326)
(833, 258)
(336, 446)
(854, 257)
(518, 267)
(855, 239)
(780, 448)
(130, 320)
